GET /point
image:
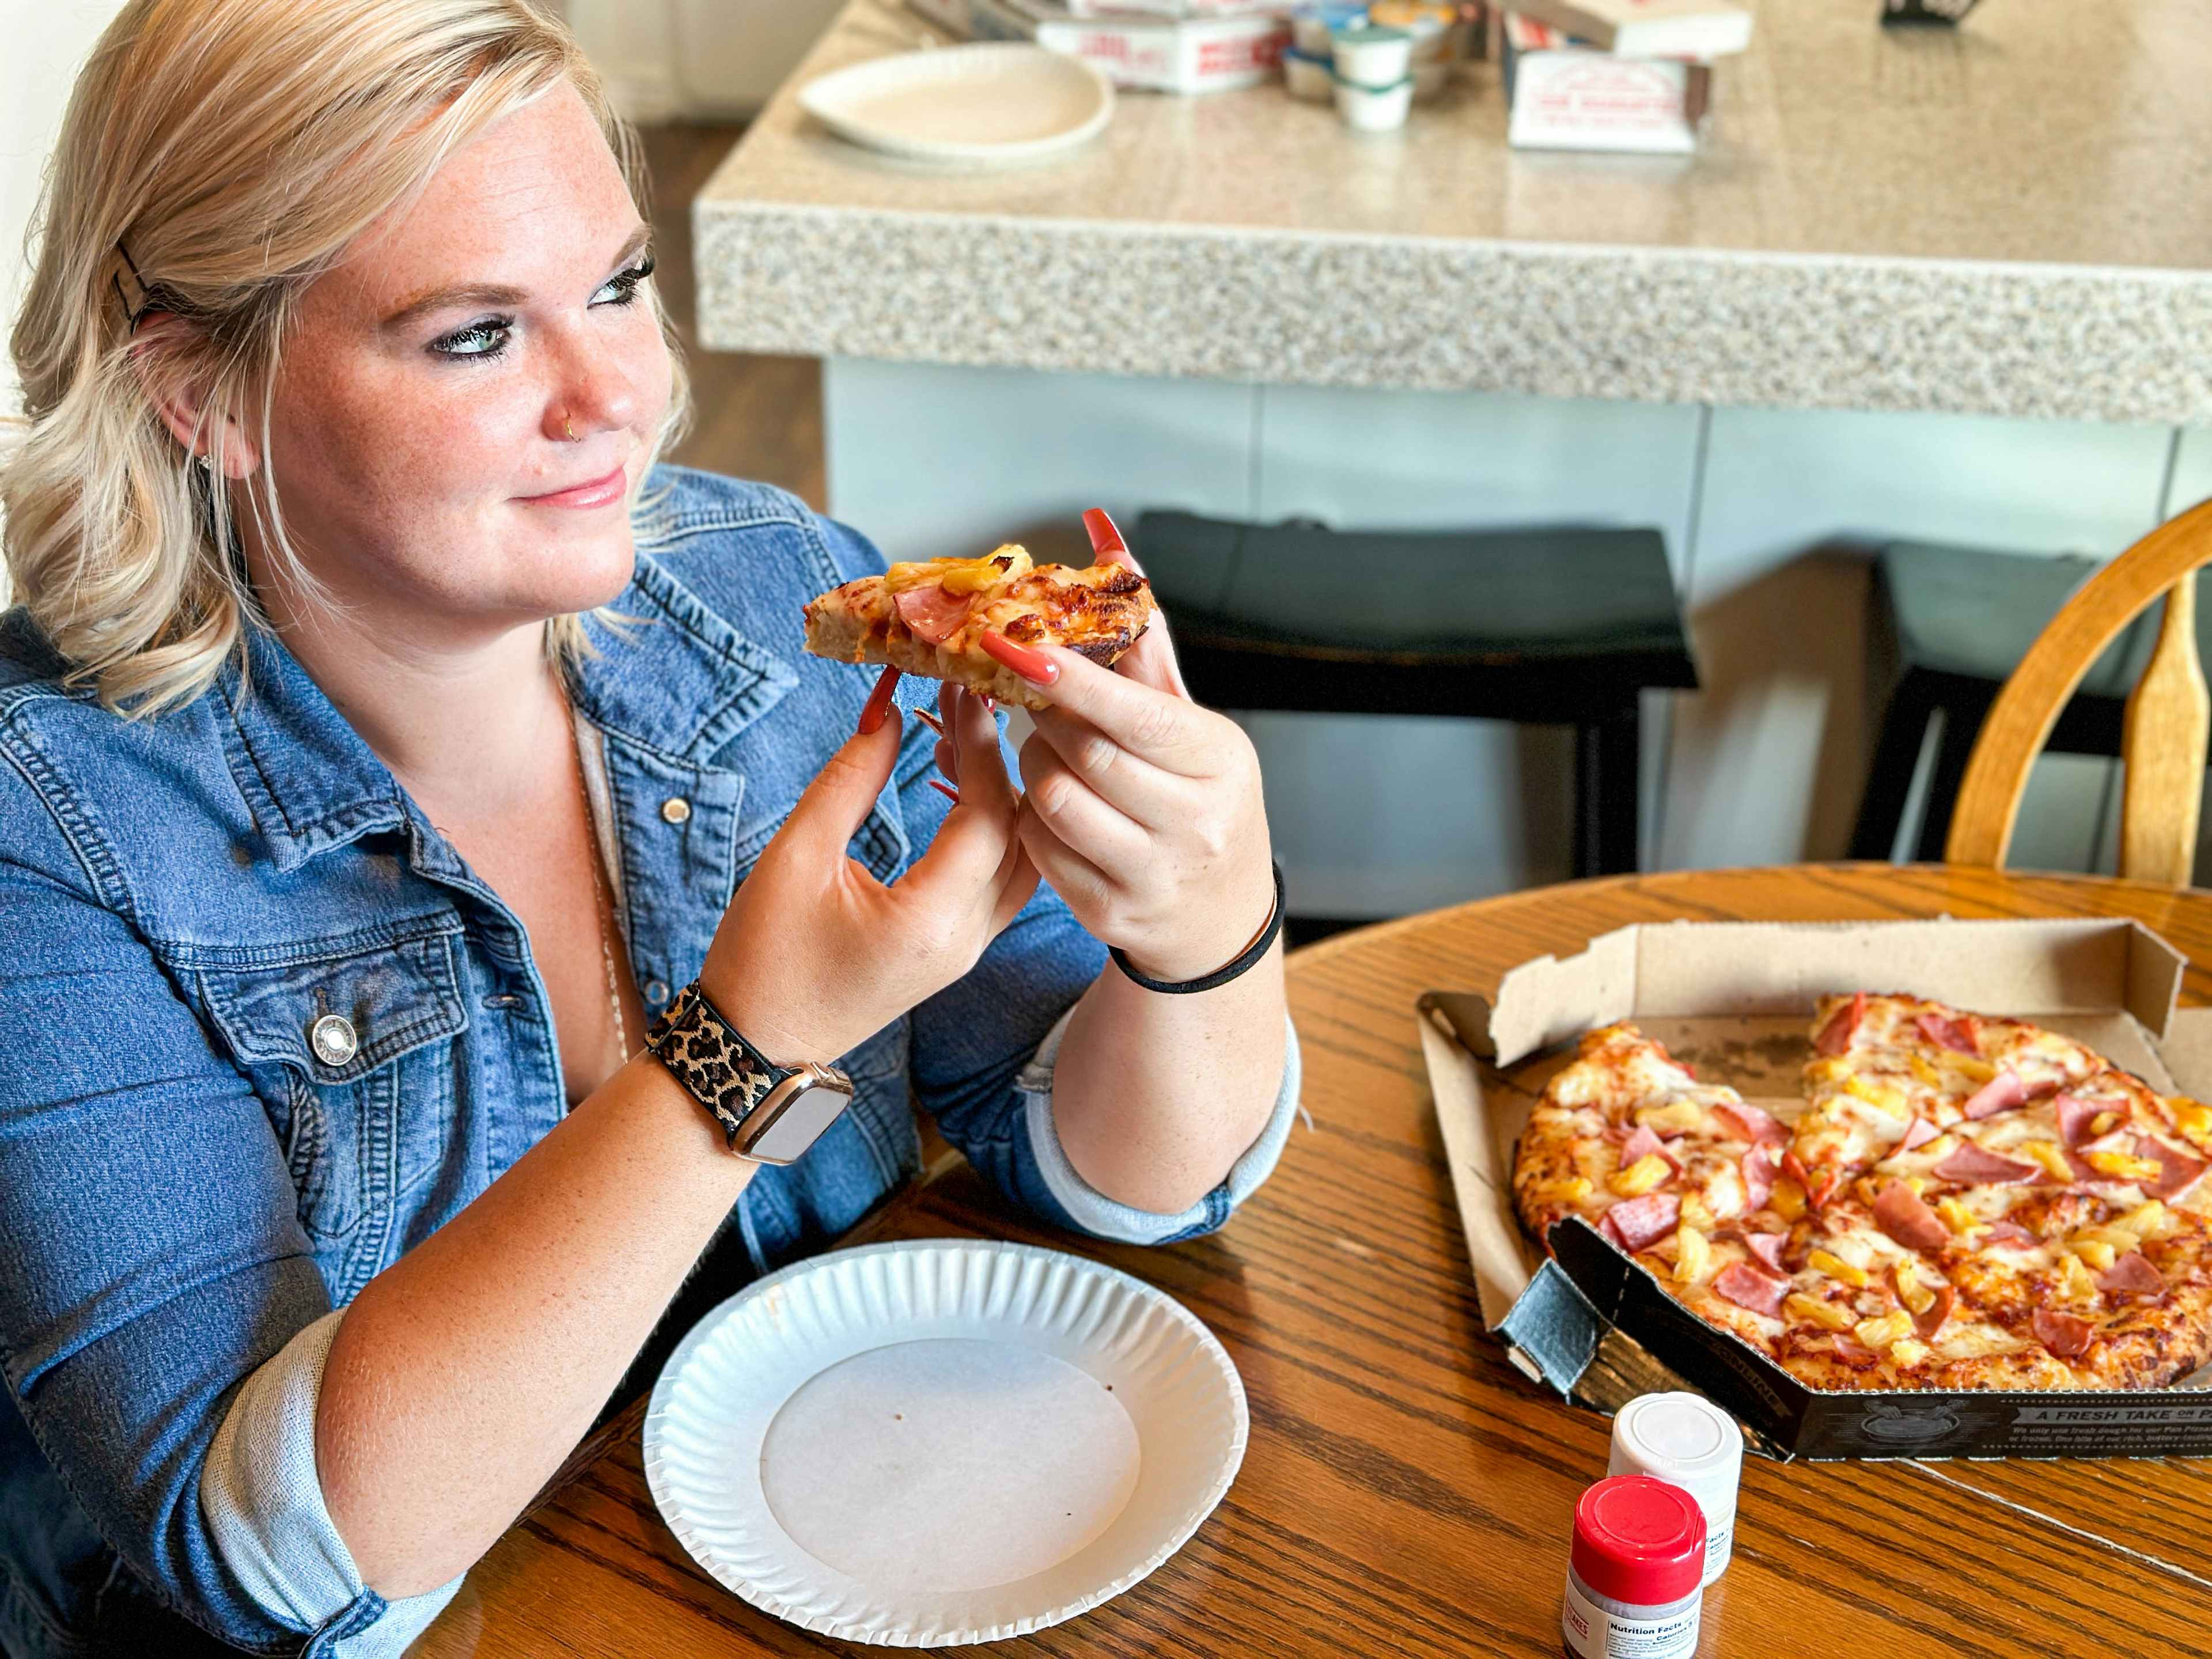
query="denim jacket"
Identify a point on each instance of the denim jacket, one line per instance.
(193, 1187)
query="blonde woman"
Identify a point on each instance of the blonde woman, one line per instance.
(387, 745)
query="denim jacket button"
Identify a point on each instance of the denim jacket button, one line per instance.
(656, 992)
(676, 809)
(333, 1040)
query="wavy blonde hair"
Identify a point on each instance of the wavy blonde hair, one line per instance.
(121, 549)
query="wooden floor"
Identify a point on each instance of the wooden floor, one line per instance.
(756, 418)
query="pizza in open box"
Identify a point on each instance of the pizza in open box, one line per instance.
(1962, 1202)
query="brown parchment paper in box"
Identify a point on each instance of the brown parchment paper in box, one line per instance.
(1735, 1000)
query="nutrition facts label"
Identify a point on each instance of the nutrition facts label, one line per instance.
(1594, 1633)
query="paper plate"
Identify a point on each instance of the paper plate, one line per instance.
(999, 103)
(941, 1441)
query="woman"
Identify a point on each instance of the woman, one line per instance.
(388, 743)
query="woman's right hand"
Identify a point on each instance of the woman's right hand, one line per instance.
(814, 954)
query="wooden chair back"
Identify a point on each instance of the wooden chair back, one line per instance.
(2168, 713)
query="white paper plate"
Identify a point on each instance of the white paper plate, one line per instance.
(998, 104)
(942, 1440)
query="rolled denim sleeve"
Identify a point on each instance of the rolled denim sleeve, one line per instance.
(152, 1262)
(263, 1502)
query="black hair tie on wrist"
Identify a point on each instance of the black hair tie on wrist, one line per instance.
(1250, 954)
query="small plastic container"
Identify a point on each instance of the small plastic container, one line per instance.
(1687, 1441)
(1374, 109)
(1634, 1577)
(1373, 58)
(1311, 26)
(1309, 77)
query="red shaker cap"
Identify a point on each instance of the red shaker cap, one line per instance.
(1640, 1541)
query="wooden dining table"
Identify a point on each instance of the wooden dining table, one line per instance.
(1406, 1491)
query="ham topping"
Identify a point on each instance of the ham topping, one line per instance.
(1925, 1325)
(2009, 1232)
(2000, 1093)
(1853, 1353)
(1749, 1289)
(2076, 1116)
(1836, 1035)
(1899, 1212)
(1642, 1144)
(1947, 1033)
(2175, 1169)
(931, 613)
(1640, 1223)
(2064, 1334)
(1751, 1123)
(1978, 1165)
(2132, 1275)
(1767, 1247)
(1918, 1132)
(1758, 1167)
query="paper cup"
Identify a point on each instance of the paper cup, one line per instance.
(1374, 109)
(943, 1440)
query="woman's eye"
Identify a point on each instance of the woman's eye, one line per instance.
(624, 284)
(488, 338)
(484, 339)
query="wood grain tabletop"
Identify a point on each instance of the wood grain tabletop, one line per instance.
(1406, 1491)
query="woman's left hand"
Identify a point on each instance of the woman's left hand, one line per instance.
(1142, 809)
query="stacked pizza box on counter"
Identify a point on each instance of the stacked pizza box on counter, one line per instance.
(1157, 46)
(1617, 75)
(1764, 1012)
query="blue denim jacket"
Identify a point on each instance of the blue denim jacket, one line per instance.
(191, 1193)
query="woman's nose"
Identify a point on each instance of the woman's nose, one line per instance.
(598, 393)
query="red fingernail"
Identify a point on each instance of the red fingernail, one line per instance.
(1107, 546)
(946, 790)
(880, 703)
(1032, 665)
(990, 703)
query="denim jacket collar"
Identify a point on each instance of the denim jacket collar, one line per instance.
(676, 678)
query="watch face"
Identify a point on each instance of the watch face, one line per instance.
(793, 1129)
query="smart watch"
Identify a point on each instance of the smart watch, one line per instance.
(768, 1112)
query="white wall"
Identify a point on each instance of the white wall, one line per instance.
(46, 43)
(701, 59)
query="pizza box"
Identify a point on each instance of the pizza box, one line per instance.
(1734, 999)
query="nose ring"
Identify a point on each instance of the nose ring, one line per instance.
(568, 425)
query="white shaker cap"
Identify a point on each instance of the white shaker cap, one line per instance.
(1684, 1439)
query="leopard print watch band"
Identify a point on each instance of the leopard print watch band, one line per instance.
(706, 1053)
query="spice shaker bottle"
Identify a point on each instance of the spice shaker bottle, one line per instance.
(1687, 1441)
(1634, 1588)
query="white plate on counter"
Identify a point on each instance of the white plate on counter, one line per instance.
(941, 1441)
(997, 103)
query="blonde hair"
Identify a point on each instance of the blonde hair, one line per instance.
(121, 549)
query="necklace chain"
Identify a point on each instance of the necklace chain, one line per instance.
(601, 908)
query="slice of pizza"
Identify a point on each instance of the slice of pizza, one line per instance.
(930, 618)
(1627, 1138)
(1889, 1071)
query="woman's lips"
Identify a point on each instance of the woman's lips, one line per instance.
(598, 493)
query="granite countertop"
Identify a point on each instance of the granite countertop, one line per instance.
(2010, 218)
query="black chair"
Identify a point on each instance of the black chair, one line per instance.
(1962, 619)
(1558, 627)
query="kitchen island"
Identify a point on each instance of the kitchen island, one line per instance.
(1949, 285)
